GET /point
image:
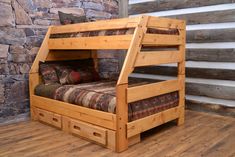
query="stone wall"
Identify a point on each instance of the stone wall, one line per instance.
(23, 24)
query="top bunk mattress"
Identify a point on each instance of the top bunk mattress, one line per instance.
(101, 96)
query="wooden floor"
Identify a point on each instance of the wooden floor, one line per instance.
(202, 135)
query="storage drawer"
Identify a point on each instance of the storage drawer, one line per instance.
(89, 131)
(49, 117)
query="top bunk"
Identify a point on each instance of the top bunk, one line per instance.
(148, 40)
(113, 34)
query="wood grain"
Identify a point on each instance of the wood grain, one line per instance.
(163, 57)
(158, 5)
(202, 134)
(193, 72)
(151, 90)
(91, 43)
(98, 25)
(211, 35)
(207, 17)
(211, 55)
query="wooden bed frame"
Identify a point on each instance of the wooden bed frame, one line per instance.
(113, 130)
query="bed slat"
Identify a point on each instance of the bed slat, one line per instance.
(143, 124)
(67, 55)
(151, 90)
(157, 57)
(156, 22)
(91, 43)
(98, 25)
(161, 40)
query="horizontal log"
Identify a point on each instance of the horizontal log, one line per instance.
(211, 55)
(193, 72)
(207, 17)
(151, 90)
(158, 5)
(210, 105)
(98, 25)
(161, 40)
(219, 90)
(98, 42)
(157, 57)
(211, 35)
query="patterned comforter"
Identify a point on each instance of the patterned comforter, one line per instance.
(101, 96)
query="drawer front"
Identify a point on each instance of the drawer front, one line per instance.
(44, 116)
(56, 120)
(49, 117)
(89, 131)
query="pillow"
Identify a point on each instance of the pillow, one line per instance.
(48, 72)
(69, 75)
(66, 18)
(88, 75)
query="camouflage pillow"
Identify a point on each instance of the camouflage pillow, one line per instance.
(48, 73)
(66, 18)
(69, 75)
(88, 75)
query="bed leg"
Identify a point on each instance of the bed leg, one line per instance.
(122, 118)
(134, 140)
(33, 114)
(66, 124)
(180, 120)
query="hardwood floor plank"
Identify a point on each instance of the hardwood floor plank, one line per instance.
(202, 135)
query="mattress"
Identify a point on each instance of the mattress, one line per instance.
(101, 96)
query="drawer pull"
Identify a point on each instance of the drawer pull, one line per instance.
(76, 127)
(55, 119)
(97, 134)
(41, 114)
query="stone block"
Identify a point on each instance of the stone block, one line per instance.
(22, 18)
(6, 14)
(17, 49)
(27, 5)
(16, 91)
(2, 91)
(24, 68)
(93, 6)
(12, 36)
(18, 57)
(66, 3)
(42, 3)
(3, 50)
(4, 69)
(42, 22)
(97, 15)
(108, 65)
(76, 11)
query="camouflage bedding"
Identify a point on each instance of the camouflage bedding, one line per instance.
(101, 96)
(112, 32)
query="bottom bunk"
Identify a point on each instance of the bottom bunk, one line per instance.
(88, 110)
(101, 95)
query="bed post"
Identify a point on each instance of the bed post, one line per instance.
(34, 72)
(181, 78)
(122, 118)
(121, 88)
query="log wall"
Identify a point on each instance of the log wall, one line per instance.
(210, 54)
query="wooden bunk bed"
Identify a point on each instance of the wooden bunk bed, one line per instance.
(113, 130)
